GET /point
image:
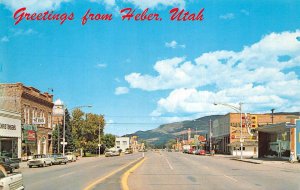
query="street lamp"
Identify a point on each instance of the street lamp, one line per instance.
(64, 129)
(99, 145)
(238, 109)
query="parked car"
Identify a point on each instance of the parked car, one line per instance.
(191, 151)
(128, 151)
(71, 157)
(59, 159)
(110, 153)
(14, 181)
(6, 166)
(9, 163)
(200, 152)
(40, 160)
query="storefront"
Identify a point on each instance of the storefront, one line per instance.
(10, 134)
(274, 141)
(29, 145)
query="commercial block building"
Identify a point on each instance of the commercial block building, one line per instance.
(10, 134)
(122, 143)
(35, 108)
(226, 132)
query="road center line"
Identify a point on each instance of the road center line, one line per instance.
(66, 174)
(230, 178)
(169, 164)
(91, 185)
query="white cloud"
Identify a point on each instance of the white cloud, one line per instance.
(21, 32)
(155, 3)
(121, 90)
(143, 4)
(4, 39)
(15, 32)
(227, 16)
(101, 65)
(173, 44)
(255, 75)
(33, 5)
(245, 12)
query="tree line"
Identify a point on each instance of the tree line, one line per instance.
(82, 133)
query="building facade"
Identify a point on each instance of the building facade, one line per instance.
(10, 134)
(35, 108)
(122, 143)
(226, 132)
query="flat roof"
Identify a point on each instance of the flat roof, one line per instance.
(274, 128)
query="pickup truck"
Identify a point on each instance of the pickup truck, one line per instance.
(40, 160)
(71, 157)
(12, 181)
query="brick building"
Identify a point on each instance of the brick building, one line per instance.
(226, 132)
(35, 108)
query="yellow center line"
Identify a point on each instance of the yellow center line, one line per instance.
(124, 180)
(91, 185)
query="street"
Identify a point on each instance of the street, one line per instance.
(171, 170)
(76, 175)
(165, 170)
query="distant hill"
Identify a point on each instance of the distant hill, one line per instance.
(165, 132)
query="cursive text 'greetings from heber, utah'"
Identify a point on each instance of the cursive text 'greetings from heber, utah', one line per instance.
(126, 14)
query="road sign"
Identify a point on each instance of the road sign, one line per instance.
(63, 143)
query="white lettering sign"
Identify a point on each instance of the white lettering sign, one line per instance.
(38, 121)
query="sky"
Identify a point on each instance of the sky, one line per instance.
(143, 74)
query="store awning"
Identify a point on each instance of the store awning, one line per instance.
(274, 128)
(30, 127)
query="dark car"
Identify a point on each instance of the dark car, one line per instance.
(7, 164)
(59, 159)
(14, 163)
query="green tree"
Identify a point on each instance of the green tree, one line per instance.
(109, 140)
(69, 136)
(85, 130)
(171, 143)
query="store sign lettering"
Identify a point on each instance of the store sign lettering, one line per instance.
(38, 121)
(30, 135)
(8, 126)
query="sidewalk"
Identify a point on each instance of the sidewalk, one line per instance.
(271, 161)
(23, 164)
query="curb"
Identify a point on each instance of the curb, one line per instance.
(248, 161)
(124, 178)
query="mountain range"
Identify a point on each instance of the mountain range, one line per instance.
(162, 134)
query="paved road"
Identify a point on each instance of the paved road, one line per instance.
(178, 171)
(75, 175)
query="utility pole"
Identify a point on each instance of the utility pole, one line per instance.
(272, 115)
(58, 138)
(210, 135)
(99, 145)
(64, 132)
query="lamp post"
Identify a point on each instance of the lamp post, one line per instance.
(238, 109)
(64, 129)
(99, 145)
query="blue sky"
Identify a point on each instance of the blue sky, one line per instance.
(141, 74)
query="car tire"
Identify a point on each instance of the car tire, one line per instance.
(30, 166)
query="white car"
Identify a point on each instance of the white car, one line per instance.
(71, 157)
(14, 181)
(40, 160)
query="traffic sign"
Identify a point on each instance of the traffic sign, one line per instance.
(63, 143)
